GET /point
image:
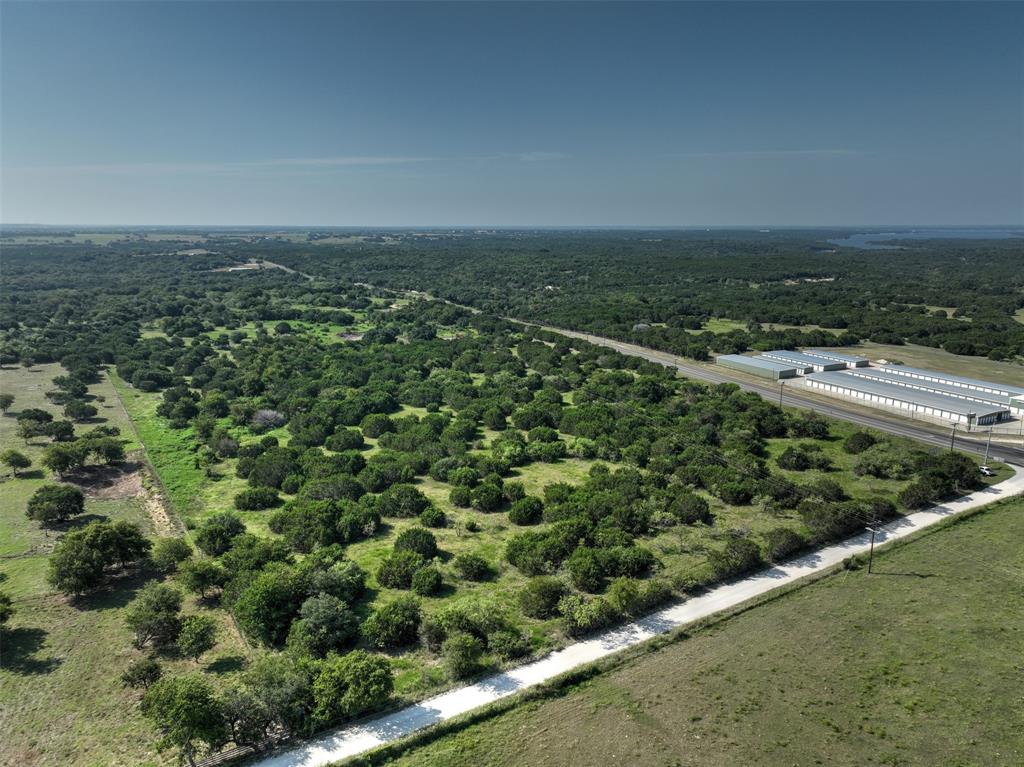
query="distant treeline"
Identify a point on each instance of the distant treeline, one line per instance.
(615, 283)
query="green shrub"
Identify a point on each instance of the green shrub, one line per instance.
(462, 497)
(375, 425)
(351, 685)
(461, 654)
(508, 644)
(635, 597)
(215, 534)
(198, 635)
(256, 499)
(394, 624)
(55, 503)
(472, 567)
(781, 543)
(858, 442)
(586, 568)
(417, 539)
(464, 476)
(740, 556)
(487, 497)
(427, 581)
(402, 500)
(540, 596)
(141, 673)
(582, 615)
(168, 553)
(397, 568)
(153, 614)
(689, 508)
(433, 517)
(526, 511)
(344, 579)
(325, 625)
(345, 439)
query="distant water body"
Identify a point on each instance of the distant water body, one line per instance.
(868, 240)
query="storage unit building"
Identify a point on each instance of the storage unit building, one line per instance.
(849, 360)
(804, 363)
(756, 366)
(878, 393)
(948, 390)
(972, 384)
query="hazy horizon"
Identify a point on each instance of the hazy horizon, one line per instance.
(521, 227)
(555, 114)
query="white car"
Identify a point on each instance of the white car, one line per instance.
(986, 471)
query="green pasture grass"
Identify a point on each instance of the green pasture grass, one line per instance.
(804, 328)
(60, 660)
(720, 325)
(937, 359)
(916, 664)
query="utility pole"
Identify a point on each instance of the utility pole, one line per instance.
(952, 437)
(871, 551)
(988, 445)
(781, 385)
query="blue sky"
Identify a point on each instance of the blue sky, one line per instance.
(512, 114)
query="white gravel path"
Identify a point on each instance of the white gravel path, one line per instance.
(355, 739)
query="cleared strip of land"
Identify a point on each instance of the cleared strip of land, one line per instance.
(356, 739)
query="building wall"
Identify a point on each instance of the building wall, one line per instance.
(899, 404)
(969, 395)
(939, 378)
(756, 371)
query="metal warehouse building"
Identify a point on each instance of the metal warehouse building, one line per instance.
(847, 359)
(846, 384)
(757, 366)
(948, 390)
(804, 363)
(971, 384)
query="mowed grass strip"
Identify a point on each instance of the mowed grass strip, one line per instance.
(917, 664)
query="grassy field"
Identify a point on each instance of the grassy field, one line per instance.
(937, 359)
(1019, 316)
(720, 325)
(193, 494)
(783, 326)
(60, 662)
(918, 664)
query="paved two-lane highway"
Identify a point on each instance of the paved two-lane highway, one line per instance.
(794, 395)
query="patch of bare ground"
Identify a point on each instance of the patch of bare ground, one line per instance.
(132, 479)
(110, 483)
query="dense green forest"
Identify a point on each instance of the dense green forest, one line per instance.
(386, 492)
(658, 288)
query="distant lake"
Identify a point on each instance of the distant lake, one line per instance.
(866, 241)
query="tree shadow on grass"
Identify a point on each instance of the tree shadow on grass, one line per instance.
(446, 590)
(227, 664)
(118, 592)
(18, 648)
(79, 522)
